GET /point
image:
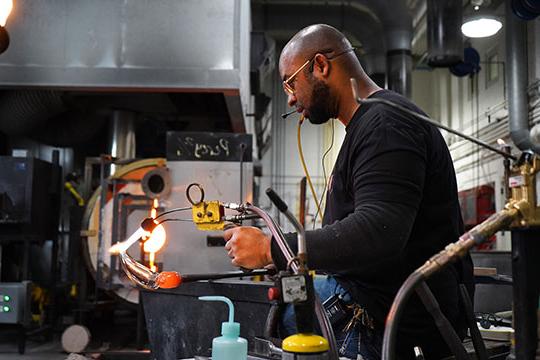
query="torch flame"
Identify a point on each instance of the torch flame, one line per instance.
(122, 246)
(153, 212)
(153, 241)
(156, 240)
(5, 10)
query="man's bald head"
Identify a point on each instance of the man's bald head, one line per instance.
(312, 39)
(316, 66)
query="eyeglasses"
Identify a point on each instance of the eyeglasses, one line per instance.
(288, 84)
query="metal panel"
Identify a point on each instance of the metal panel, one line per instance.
(15, 303)
(186, 249)
(169, 44)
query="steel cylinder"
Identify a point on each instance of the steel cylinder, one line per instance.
(445, 42)
(399, 65)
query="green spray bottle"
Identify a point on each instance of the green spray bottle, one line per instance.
(229, 346)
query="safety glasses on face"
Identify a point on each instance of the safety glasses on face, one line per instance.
(288, 84)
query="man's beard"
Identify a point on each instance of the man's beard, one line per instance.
(320, 110)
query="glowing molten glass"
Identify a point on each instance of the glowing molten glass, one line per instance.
(168, 280)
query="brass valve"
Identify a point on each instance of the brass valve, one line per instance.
(524, 184)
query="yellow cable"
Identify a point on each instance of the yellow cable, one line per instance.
(74, 193)
(301, 153)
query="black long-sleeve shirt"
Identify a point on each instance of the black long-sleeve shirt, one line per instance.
(391, 204)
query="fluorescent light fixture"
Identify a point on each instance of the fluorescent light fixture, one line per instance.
(481, 26)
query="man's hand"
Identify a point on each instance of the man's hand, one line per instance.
(248, 247)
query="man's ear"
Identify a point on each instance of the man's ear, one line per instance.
(321, 65)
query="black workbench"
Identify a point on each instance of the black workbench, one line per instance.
(181, 326)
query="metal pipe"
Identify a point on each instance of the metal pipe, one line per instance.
(323, 320)
(302, 216)
(282, 206)
(399, 65)
(445, 42)
(278, 236)
(451, 253)
(122, 136)
(425, 118)
(517, 80)
(218, 276)
(396, 21)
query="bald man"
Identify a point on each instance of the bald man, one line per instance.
(391, 202)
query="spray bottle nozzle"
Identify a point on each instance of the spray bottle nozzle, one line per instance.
(229, 328)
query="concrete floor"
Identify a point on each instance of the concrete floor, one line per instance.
(53, 351)
(37, 347)
(34, 350)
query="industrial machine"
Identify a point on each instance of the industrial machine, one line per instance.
(294, 286)
(15, 303)
(140, 187)
(28, 186)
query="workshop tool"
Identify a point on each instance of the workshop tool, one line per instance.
(295, 284)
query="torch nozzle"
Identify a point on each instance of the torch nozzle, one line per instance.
(149, 224)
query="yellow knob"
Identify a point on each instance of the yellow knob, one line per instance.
(305, 343)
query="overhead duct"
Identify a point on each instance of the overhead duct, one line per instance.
(399, 65)
(526, 9)
(359, 26)
(122, 135)
(445, 42)
(397, 25)
(370, 22)
(517, 80)
(133, 46)
(121, 143)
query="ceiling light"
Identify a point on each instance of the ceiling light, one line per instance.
(481, 26)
